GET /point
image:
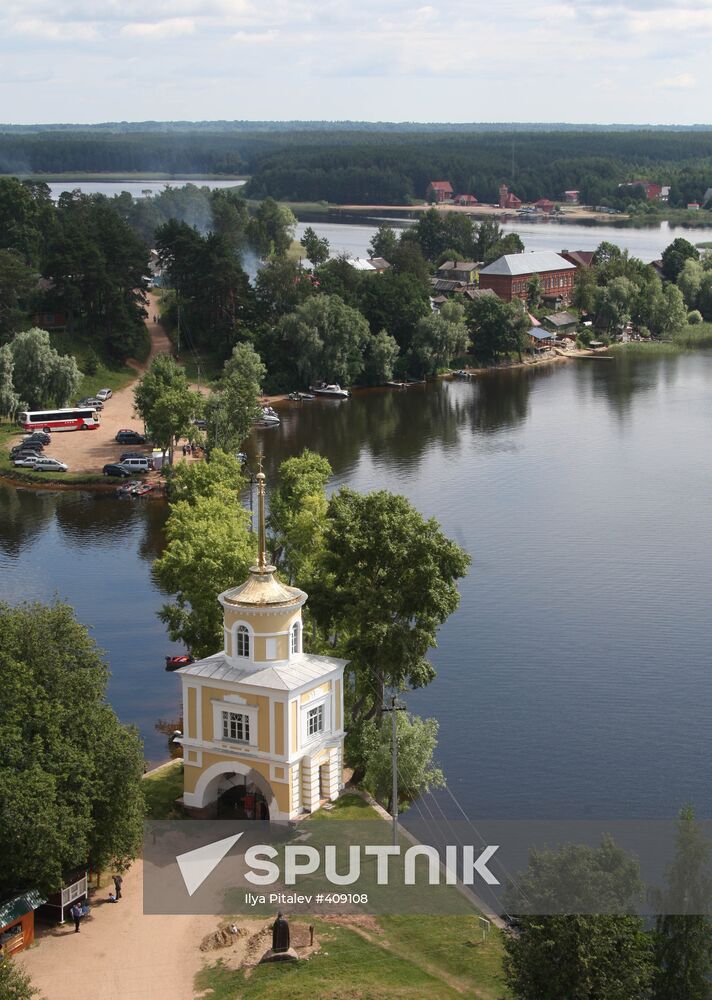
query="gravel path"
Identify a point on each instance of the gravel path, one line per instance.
(119, 953)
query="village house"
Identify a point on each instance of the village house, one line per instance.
(564, 324)
(263, 720)
(572, 197)
(545, 206)
(581, 258)
(466, 199)
(507, 199)
(459, 270)
(379, 264)
(439, 191)
(652, 190)
(509, 275)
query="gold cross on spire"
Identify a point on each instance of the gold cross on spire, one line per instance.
(261, 532)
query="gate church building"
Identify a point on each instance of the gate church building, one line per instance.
(263, 721)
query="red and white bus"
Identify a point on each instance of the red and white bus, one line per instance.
(79, 419)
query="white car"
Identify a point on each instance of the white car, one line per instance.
(27, 461)
(104, 394)
(49, 465)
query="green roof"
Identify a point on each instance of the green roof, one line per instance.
(12, 909)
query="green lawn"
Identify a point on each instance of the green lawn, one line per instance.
(160, 790)
(110, 373)
(434, 958)
(347, 807)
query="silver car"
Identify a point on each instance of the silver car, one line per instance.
(104, 394)
(49, 465)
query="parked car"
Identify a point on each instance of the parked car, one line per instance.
(27, 446)
(25, 461)
(104, 394)
(96, 404)
(50, 465)
(132, 454)
(201, 424)
(130, 437)
(114, 469)
(41, 436)
(142, 464)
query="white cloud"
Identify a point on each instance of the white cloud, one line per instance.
(254, 37)
(683, 81)
(46, 30)
(172, 27)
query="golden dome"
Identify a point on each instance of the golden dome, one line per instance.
(261, 589)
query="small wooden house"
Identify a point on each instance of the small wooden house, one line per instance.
(17, 922)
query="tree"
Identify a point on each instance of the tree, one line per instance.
(439, 338)
(326, 339)
(497, 327)
(9, 400)
(683, 930)
(230, 218)
(297, 514)
(511, 243)
(675, 255)
(40, 374)
(17, 281)
(384, 584)
(576, 937)
(281, 285)
(417, 740)
(381, 355)
(689, 281)
(221, 476)
(534, 292)
(234, 406)
(209, 549)
(165, 402)
(384, 243)
(14, 982)
(315, 246)
(271, 228)
(395, 302)
(70, 776)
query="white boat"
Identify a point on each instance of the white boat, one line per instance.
(268, 418)
(333, 389)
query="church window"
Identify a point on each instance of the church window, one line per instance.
(236, 726)
(243, 641)
(294, 638)
(315, 720)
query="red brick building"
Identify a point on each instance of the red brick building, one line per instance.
(465, 199)
(509, 275)
(507, 199)
(545, 206)
(439, 191)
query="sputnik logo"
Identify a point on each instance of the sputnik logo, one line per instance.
(195, 866)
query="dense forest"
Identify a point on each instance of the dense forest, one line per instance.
(350, 163)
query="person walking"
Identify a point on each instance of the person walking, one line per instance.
(118, 882)
(76, 914)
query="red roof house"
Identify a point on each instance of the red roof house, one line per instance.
(439, 191)
(465, 199)
(507, 199)
(545, 206)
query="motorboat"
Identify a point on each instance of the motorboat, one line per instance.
(397, 385)
(332, 389)
(301, 397)
(142, 490)
(268, 418)
(174, 662)
(126, 489)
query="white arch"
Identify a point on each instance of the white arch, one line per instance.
(250, 638)
(200, 798)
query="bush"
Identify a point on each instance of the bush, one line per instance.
(694, 317)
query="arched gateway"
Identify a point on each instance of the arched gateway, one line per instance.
(263, 720)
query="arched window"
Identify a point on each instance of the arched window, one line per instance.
(242, 641)
(294, 638)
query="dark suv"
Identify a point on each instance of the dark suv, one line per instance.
(130, 437)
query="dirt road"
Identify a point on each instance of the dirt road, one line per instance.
(120, 954)
(89, 451)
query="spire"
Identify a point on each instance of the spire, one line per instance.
(261, 533)
(262, 588)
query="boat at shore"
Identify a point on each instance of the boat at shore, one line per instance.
(301, 397)
(331, 389)
(268, 418)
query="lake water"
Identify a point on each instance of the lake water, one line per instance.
(646, 243)
(576, 678)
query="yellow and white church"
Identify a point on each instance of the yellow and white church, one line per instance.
(263, 721)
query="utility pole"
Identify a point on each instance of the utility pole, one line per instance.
(395, 707)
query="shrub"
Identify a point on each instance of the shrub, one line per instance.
(694, 317)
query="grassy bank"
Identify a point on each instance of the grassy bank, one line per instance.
(160, 790)
(107, 371)
(690, 338)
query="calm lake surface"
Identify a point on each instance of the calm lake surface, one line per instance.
(576, 678)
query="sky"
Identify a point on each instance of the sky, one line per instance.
(633, 61)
